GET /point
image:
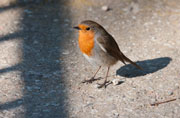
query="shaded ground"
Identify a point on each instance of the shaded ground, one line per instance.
(35, 81)
(42, 69)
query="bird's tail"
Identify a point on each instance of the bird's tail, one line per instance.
(125, 59)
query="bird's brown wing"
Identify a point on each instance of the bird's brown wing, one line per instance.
(111, 47)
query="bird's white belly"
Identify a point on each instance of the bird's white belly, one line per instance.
(91, 60)
(100, 59)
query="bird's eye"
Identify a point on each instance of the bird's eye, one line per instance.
(88, 28)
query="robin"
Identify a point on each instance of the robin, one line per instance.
(99, 48)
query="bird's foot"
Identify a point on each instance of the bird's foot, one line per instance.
(104, 84)
(91, 80)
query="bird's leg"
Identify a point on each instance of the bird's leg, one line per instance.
(105, 81)
(92, 78)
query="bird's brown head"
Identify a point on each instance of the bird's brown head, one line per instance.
(89, 26)
(87, 31)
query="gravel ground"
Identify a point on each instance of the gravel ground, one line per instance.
(42, 69)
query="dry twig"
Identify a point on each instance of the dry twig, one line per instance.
(158, 103)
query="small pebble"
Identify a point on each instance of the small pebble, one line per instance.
(170, 93)
(29, 88)
(57, 61)
(16, 22)
(116, 81)
(134, 7)
(105, 8)
(27, 11)
(116, 115)
(35, 42)
(89, 104)
(55, 20)
(67, 20)
(65, 53)
(19, 102)
(96, 86)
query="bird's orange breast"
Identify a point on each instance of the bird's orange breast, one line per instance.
(86, 42)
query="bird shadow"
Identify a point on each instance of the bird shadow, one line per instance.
(149, 66)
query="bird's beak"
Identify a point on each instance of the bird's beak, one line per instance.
(76, 27)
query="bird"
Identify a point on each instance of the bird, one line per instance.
(99, 48)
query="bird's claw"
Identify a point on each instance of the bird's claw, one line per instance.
(104, 84)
